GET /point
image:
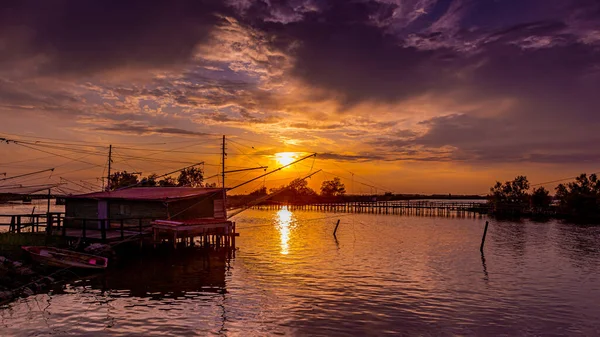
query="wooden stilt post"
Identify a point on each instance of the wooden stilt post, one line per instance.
(122, 228)
(483, 238)
(102, 230)
(49, 195)
(336, 227)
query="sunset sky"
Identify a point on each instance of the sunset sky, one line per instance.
(408, 96)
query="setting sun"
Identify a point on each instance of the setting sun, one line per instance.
(285, 158)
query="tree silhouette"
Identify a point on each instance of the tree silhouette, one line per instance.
(259, 192)
(297, 191)
(122, 179)
(580, 198)
(149, 181)
(167, 182)
(300, 187)
(190, 177)
(511, 196)
(333, 188)
(540, 199)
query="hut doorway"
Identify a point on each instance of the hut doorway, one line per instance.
(102, 211)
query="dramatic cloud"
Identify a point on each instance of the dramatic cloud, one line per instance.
(459, 82)
(85, 37)
(142, 129)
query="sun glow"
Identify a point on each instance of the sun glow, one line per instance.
(285, 158)
(285, 222)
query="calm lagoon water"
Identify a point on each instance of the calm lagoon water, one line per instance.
(385, 274)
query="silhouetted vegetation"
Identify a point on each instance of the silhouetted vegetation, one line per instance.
(259, 192)
(510, 197)
(540, 199)
(579, 199)
(122, 179)
(333, 188)
(167, 182)
(190, 177)
(297, 191)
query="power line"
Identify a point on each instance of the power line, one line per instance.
(88, 142)
(176, 150)
(275, 170)
(161, 176)
(26, 174)
(61, 148)
(150, 159)
(559, 180)
(349, 179)
(25, 160)
(270, 144)
(237, 148)
(353, 174)
(58, 155)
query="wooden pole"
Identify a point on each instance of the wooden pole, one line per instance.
(483, 238)
(64, 228)
(48, 200)
(336, 227)
(223, 154)
(109, 167)
(122, 229)
(103, 230)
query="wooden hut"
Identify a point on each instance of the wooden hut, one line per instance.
(144, 204)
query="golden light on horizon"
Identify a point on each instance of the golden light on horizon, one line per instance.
(286, 158)
(285, 220)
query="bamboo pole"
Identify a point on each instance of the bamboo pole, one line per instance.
(336, 228)
(483, 238)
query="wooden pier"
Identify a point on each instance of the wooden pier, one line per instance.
(217, 234)
(411, 207)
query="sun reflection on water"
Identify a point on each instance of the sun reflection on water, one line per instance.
(285, 222)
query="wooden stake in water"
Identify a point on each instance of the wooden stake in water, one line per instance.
(49, 195)
(336, 227)
(483, 238)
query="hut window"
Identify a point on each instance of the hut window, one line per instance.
(124, 210)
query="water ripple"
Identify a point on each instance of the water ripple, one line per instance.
(384, 275)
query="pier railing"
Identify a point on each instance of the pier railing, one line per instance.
(418, 207)
(105, 229)
(55, 223)
(29, 223)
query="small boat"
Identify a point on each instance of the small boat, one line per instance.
(65, 258)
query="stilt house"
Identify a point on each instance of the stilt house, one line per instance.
(144, 204)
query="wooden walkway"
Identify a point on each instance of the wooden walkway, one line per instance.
(412, 207)
(96, 234)
(210, 232)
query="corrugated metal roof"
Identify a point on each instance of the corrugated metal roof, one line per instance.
(149, 193)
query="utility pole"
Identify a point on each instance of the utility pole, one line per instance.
(223, 154)
(109, 162)
(223, 164)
